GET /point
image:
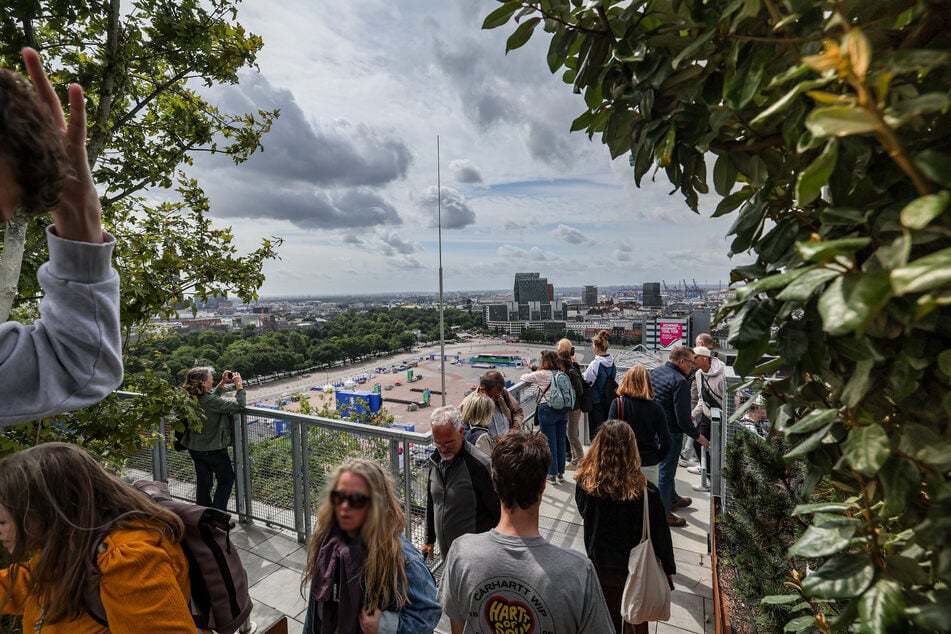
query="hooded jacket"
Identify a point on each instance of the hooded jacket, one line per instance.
(715, 381)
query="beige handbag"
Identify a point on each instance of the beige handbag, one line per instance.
(646, 592)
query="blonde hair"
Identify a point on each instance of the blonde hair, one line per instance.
(384, 575)
(565, 345)
(477, 409)
(611, 468)
(600, 341)
(637, 384)
(61, 501)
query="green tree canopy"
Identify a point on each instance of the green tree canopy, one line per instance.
(827, 125)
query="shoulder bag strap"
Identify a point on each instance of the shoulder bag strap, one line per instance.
(646, 526)
(620, 408)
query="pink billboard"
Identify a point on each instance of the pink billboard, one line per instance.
(671, 333)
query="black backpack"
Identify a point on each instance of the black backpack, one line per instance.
(609, 386)
(582, 389)
(219, 584)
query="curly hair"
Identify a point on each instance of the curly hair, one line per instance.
(611, 468)
(384, 576)
(60, 501)
(195, 380)
(31, 144)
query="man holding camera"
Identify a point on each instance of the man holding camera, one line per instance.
(209, 446)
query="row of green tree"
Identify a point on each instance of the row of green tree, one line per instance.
(350, 336)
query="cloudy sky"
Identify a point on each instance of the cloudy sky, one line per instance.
(348, 175)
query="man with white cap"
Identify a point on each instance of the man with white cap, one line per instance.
(710, 383)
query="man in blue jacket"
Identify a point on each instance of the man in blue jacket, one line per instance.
(672, 391)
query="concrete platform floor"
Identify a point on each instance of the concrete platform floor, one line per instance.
(275, 561)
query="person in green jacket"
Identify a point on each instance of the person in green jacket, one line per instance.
(209, 447)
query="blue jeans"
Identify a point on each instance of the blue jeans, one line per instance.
(667, 472)
(209, 466)
(555, 427)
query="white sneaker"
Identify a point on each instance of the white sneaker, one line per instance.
(561, 478)
(697, 470)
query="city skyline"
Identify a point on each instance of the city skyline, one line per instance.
(348, 173)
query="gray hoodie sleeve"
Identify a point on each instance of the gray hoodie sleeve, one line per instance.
(71, 356)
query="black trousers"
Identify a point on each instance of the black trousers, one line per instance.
(210, 466)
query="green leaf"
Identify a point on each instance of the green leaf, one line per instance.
(944, 362)
(799, 623)
(783, 102)
(842, 216)
(881, 608)
(822, 542)
(813, 420)
(821, 507)
(926, 446)
(854, 391)
(825, 250)
(841, 121)
(731, 202)
(924, 274)
(501, 15)
(816, 175)
(902, 112)
(902, 483)
(665, 148)
(866, 449)
(809, 444)
(724, 175)
(693, 47)
(841, 577)
(920, 212)
(853, 299)
(779, 599)
(805, 285)
(522, 34)
(935, 165)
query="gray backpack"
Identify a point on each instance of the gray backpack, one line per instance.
(220, 600)
(561, 396)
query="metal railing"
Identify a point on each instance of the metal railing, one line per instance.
(282, 459)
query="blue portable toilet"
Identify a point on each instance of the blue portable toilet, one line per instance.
(353, 404)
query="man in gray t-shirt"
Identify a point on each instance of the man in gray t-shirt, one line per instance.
(511, 578)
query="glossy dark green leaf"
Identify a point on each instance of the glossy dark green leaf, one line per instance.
(779, 599)
(944, 362)
(824, 250)
(842, 577)
(857, 386)
(841, 121)
(808, 444)
(866, 449)
(924, 274)
(903, 378)
(822, 542)
(731, 202)
(816, 175)
(813, 420)
(522, 34)
(501, 15)
(843, 216)
(935, 165)
(926, 446)
(807, 284)
(799, 624)
(724, 175)
(783, 102)
(902, 112)
(919, 213)
(902, 483)
(821, 507)
(693, 47)
(881, 608)
(851, 300)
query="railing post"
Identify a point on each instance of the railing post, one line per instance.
(407, 489)
(305, 474)
(296, 467)
(241, 449)
(716, 448)
(159, 457)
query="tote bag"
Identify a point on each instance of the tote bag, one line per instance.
(646, 592)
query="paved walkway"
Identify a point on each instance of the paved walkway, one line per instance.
(274, 561)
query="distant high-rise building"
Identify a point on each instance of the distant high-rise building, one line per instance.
(530, 287)
(589, 296)
(651, 294)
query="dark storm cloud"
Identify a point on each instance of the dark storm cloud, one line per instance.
(456, 212)
(465, 171)
(331, 153)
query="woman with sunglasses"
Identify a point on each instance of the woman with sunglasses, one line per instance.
(364, 575)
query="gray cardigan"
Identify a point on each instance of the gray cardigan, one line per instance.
(216, 430)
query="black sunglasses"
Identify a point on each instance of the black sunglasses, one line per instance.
(355, 500)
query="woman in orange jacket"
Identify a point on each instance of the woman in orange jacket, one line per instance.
(56, 504)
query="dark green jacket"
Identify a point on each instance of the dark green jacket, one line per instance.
(216, 430)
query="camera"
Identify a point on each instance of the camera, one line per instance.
(228, 375)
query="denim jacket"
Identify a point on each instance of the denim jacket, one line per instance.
(422, 611)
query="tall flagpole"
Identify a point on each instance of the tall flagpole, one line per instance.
(442, 321)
